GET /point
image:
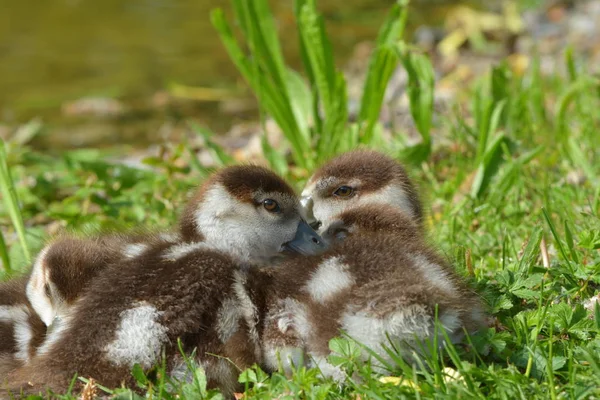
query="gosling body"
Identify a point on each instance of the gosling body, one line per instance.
(380, 280)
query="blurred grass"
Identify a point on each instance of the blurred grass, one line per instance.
(511, 177)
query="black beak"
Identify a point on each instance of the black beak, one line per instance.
(306, 242)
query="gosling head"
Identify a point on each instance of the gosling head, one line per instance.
(372, 219)
(358, 178)
(62, 272)
(250, 213)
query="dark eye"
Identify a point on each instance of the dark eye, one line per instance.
(343, 191)
(271, 205)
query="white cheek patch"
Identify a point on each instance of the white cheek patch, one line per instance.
(36, 289)
(225, 222)
(392, 194)
(326, 210)
(331, 277)
(134, 250)
(139, 337)
(19, 318)
(178, 251)
(240, 229)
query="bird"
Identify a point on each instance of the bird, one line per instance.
(354, 181)
(379, 281)
(356, 177)
(21, 329)
(192, 293)
(33, 305)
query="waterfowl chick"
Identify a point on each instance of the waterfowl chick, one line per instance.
(21, 330)
(192, 290)
(65, 268)
(61, 273)
(356, 178)
(381, 281)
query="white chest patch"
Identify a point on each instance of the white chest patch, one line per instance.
(401, 327)
(139, 337)
(393, 194)
(331, 277)
(19, 317)
(134, 250)
(178, 251)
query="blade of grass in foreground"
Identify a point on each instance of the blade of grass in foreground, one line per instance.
(382, 65)
(11, 202)
(4, 254)
(264, 70)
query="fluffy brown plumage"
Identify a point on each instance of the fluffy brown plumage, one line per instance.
(195, 291)
(381, 279)
(61, 274)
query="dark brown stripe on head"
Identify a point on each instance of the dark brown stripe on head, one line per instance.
(245, 180)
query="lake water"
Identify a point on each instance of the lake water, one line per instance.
(52, 52)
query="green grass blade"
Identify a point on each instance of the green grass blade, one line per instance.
(265, 72)
(488, 167)
(579, 159)
(4, 255)
(570, 62)
(11, 201)
(382, 64)
(531, 252)
(562, 106)
(571, 243)
(558, 243)
(385, 60)
(421, 82)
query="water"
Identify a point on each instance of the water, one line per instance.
(52, 52)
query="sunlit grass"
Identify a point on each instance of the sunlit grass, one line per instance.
(511, 180)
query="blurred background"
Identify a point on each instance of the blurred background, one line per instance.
(112, 72)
